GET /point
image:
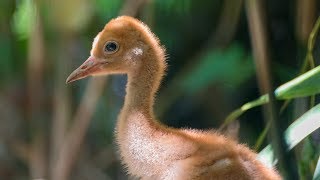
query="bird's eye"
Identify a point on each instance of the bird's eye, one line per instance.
(111, 47)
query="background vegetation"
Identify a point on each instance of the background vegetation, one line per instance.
(221, 54)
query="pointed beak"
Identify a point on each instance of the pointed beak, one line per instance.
(89, 67)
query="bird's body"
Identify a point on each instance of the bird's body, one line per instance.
(149, 149)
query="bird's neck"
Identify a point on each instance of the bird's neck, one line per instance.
(143, 85)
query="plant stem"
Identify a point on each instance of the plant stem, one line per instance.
(257, 27)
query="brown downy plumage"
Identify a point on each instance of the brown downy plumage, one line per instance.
(149, 149)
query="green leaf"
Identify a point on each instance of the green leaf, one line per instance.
(296, 132)
(316, 175)
(306, 84)
(302, 127)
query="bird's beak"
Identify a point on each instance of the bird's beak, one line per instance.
(89, 67)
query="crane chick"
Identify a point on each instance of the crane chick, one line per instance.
(149, 149)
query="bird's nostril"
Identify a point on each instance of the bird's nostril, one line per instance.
(84, 67)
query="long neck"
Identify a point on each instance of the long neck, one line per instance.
(143, 85)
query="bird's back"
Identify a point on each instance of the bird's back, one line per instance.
(221, 158)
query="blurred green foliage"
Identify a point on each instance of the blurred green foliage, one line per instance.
(228, 67)
(178, 6)
(24, 19)
(107, 9)
(209, 87)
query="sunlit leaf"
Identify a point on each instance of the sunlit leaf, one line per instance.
(302, 127)
(296, 132)
(306, 84)
(267, 156)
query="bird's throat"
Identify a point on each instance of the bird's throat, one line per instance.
(142, 87)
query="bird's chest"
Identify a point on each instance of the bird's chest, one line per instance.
(148, 150)
(144, 149)
(144, 145)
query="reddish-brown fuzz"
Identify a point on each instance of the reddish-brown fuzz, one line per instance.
(149, 149)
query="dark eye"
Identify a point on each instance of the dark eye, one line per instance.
(111, 47)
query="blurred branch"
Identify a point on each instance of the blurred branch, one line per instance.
(132, 7)
(306, 16)
(38, 164)
(72, 144)
(148, 13)
(257, 27)
(66, 24)
(61, 98)
(227, 23)
(38, 158)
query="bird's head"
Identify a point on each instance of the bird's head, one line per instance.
(119, 48)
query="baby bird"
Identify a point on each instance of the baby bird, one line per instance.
(149, 149)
